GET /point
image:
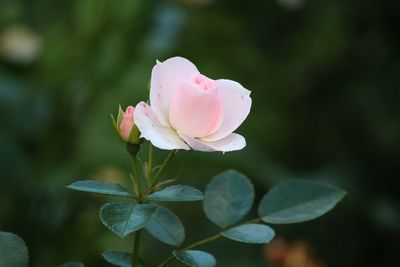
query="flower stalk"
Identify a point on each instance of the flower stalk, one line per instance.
(149, 166)
(138, 191)
(136, 177)
(136, 244)
(164, 164)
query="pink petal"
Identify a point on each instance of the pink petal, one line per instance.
(231, 142)
(165, 78)
(127, 123)
(193, 111)
(236, 103)
(152, 130)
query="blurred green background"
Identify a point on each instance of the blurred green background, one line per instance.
(324, 77)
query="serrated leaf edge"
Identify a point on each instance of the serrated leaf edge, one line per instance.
(123, 235)
(187, 187)
(128, 194)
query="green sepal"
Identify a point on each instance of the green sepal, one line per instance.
(120, 116)
(134, 136)
(115, 126)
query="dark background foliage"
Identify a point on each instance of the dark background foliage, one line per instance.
(324, 77)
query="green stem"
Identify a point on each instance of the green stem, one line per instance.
(164, 164)
(138, 186)
(138, 191)
(167, 260)
(204, 241)
(136, 181)
(256, 220)
(136, 244)
(149, 166)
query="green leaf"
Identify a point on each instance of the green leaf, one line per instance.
(298, 201)
(195, 258)
(250, 233)
(125, 218)
(120, 258)
(177, 193)
(13, 251)
(100, 187)
(166, 227)
(72, 264)
(228, 198)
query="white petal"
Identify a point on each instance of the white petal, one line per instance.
(236, 104)
(165, 78)
(151, 129)
(231, 142)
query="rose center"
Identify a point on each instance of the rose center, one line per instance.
(195, 110)
(204, 82)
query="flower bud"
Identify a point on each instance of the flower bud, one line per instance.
(125, 126)
(127, 123)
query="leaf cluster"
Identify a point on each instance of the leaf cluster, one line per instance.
(226, 201)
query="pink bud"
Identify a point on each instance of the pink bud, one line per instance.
(127, 123)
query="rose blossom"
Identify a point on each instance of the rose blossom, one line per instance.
(191, 111)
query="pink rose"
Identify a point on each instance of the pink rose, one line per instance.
(127, 123)
(191, 111)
